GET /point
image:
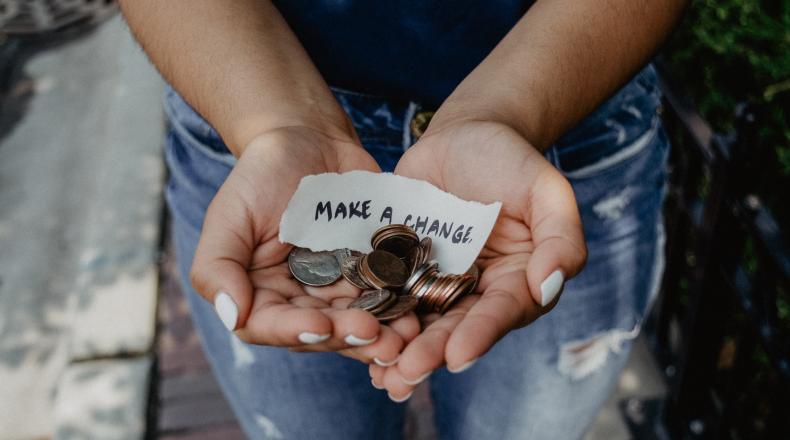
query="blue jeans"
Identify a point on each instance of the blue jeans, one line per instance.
(545, 381)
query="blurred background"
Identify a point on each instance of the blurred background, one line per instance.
(96, 341)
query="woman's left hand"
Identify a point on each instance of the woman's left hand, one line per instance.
(536, 244)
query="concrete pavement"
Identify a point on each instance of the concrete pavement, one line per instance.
(80, 210)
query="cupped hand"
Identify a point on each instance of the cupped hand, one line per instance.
(240, 264)
(536, 244)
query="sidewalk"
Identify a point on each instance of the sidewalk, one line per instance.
(80, 210)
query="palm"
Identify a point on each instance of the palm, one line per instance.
(240, 244)
(490, 162)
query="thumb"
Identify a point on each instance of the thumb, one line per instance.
(224, 252)
(560, 250)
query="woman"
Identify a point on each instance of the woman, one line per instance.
(536, 106)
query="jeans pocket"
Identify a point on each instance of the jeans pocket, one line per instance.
(194, 131)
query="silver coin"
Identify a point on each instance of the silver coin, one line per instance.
(371, 300)
(348, 267)
(314, 268)
(342, 254)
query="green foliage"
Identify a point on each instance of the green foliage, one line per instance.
(732, 51)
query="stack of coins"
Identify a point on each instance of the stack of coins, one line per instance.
(397, 269)
(437, 291)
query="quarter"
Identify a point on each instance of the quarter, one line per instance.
(313, 268)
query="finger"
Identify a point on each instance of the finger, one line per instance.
(397, 388)
(339, 289)
(377, 376)
(384, 351)
(560, 250)
(407, 326)
(352, 327)
(219, 268)
(279, 279)
(504, 305)
(425, 353)
(275, 321)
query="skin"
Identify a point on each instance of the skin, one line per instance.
(277, 115)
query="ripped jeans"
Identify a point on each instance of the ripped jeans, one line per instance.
(545, 381)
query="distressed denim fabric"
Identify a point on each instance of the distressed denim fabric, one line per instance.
(545, 381)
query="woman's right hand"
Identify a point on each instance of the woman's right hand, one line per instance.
(240, 264)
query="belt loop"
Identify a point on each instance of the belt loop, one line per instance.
(407, 118)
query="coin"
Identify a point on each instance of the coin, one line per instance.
(387, 268)
(342, 254)
(426, 246)
(417, 275)
(313, 268)
(392, 299)
(403, 305)
(348, 267)
(398, 245)
(474, 271)
(371, 300)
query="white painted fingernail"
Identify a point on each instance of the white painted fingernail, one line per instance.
(550, 287)
(353, 340)
(399, 400)
(226, 309)
(312, 338)
(385, 364)
(418, 380)
(463, 367)
(375, 386)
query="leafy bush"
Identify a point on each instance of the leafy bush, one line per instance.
(732, 51)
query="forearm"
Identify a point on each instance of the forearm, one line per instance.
(561, 60)
(238, 63)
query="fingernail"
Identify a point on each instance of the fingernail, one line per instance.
(550, 287)
(416, 381)
(312, 338)
(375, 386)
(353, 340)
(463, 367)
(226, 309)
(385, 364)
(402, 399)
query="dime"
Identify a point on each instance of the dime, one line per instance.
(417, 275)
(384, 268)
(403, 305)
(371, 300)
(392, 299)
(348, 267)
(313, 268)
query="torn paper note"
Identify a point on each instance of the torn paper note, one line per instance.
(333, 211)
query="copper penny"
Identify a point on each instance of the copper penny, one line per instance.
(403, 305)
(388, 268)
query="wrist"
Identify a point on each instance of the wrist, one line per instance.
(522, 116)
(247, 130)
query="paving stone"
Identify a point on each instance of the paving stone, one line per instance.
(103, 399)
